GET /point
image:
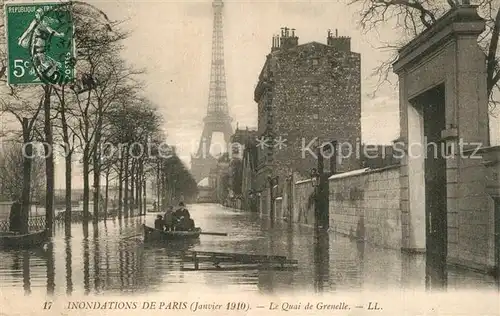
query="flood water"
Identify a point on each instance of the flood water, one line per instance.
(112, 259)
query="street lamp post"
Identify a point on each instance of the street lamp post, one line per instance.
(319, 177)
(272, 182)
(315, 180)
(289, 202)
(251, 200)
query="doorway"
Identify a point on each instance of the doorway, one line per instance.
(432, 106)
(435, 175)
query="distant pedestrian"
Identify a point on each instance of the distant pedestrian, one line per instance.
(15, 216)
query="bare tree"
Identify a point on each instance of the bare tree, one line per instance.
(68, 137)
(133, 125)
(11, 171)
(414, 16)
(97, 39)
(26, 114)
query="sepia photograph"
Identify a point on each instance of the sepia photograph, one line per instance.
(234, 157)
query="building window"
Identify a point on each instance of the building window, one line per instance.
(315, 88)
(315, 61)
(315, 116)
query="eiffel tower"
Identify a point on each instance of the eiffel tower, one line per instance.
(217, 118)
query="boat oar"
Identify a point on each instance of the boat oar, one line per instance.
(214, 234)
(132, 236)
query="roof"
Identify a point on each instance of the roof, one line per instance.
(349, 173)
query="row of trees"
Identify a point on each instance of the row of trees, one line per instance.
(102, 118)
(174, 182)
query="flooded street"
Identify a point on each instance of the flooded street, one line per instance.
(112, 259)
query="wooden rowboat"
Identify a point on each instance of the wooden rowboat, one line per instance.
(152, 234)
(16, 240)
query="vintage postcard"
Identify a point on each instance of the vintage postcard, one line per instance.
(230, 157)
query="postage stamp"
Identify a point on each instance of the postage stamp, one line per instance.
(40, 43)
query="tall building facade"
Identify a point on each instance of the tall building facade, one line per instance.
(306, 94)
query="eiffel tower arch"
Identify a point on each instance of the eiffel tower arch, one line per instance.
(217, 118)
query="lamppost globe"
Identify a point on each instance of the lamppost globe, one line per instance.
(314, 177)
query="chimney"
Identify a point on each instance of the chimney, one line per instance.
(275, 43)
(288, 38)
(342, 43)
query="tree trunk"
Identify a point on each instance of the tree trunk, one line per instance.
(67, 214)
(68, 167)
(49, 162)
(132, 187)
(126, 186)
(138, 188)
(165, 191)
(158, 185)
(145, 199)
(97, 184)
(86, 185)
(106, 195)
(97, 165)
(120, 188)
(27, 160)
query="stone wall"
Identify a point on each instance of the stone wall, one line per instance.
(365, 204)
(303, 211)
(471, 230)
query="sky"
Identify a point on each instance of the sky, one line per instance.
(172, 41)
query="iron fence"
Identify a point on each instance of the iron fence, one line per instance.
(37, 222)
(34, 223)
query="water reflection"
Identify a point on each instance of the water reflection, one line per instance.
(321, 260)
(86, 260)
(436, 277)
(50, 268)
(413, 270)
(97, 258)
(68, 265)
(111, 258)
(26, 273)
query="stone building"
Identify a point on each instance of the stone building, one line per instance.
(242, 164)
(306, 93)
(219, 179)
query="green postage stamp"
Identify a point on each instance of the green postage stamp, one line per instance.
(40, 43)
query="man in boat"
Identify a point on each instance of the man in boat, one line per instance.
(169, 218)
(184, 218)
(15, 216)
(159, 223)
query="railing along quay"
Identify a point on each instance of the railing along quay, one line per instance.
(34, 223)
(37, 222)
